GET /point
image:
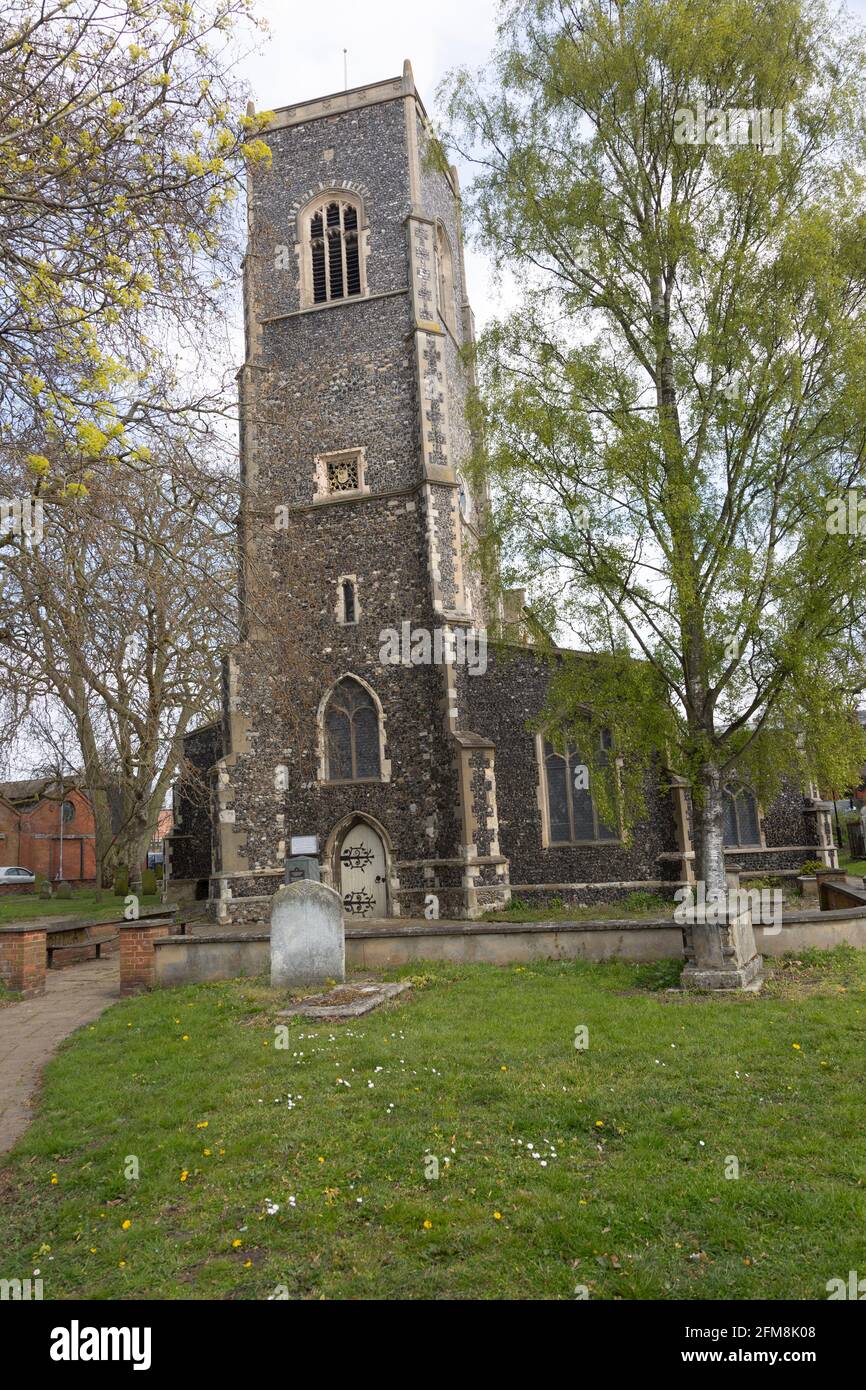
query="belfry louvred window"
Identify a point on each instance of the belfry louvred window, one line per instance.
(335, 252)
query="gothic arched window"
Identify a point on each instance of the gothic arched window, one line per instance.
(572, 816)
(334, 250)
(351, 724)
(742, 826)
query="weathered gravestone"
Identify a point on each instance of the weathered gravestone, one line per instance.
(308, 943)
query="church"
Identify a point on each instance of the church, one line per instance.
(413, 766)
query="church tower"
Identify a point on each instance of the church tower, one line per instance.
(357, 529)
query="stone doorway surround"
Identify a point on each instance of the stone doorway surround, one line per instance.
(358, 860)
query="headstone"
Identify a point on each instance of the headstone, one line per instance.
(308, 945)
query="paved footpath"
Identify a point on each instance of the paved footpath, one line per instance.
(31, 1030)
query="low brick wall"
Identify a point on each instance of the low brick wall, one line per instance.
(22, 959)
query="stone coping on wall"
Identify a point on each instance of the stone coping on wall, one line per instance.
(397, 926)
(37, 924)
(179, 960)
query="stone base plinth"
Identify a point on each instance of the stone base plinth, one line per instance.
(749, 976)
(719, 946)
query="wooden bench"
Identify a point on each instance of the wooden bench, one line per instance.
(79, 935)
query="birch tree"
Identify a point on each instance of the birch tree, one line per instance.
(675, 410)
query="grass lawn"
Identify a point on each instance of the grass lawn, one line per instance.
(15, 907)
(633, 906)
(480, 1070)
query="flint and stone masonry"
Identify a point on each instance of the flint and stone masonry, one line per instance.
(357, 514)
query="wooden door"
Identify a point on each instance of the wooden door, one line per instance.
(363, 881)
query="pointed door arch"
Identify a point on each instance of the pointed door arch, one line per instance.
(362, 872)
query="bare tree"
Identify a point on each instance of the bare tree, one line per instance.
(122, 147)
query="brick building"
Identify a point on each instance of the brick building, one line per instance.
(417, 776)
(48, 829)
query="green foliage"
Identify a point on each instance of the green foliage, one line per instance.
(106, 114)
(160, 872)
(148, 882)
(811, 866)
(642, 901)
(121, 882)
(676, 402)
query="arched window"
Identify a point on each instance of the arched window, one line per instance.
(742, 826)
(352, 734)
(445, 277)
(571, 812)
(334, 250)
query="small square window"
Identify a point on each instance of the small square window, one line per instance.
(340, 472)
(343, 474)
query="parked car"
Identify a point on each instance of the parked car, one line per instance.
(13, 873)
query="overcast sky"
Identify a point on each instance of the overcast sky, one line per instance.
(303, 58)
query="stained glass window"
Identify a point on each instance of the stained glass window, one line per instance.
(572, 813)
(352, 734)
(742, 826)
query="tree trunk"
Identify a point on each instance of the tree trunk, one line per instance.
(99, 871)
(711, 857)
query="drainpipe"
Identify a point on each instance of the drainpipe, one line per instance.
(60, 871)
